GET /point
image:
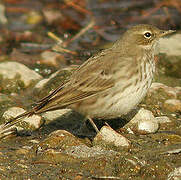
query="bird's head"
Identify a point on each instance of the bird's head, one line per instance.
(145, 36)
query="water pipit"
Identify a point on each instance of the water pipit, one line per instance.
(111, 83)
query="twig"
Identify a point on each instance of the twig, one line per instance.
(58, 47)
(77, 7)
(60, 44)
(82, 31)
(56, 38)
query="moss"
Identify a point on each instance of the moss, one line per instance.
(11, 85)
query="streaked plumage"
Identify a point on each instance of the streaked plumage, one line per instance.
(111, 83)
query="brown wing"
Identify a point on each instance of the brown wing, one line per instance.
(90, 79)
(77, 89)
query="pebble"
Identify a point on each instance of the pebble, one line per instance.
(110, 137)
(173, 151)
(34, 121)
(163, 119)
(146, 127)
(170, 91)
(52, 115)
(51, 58)
(9, 70)
(143, 122)
(172, 105)
(59, 139)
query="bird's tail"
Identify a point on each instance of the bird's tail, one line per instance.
(6, 127)
(42, 106)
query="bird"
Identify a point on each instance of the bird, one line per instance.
(111, 83)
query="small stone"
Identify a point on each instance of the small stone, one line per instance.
(143, 114)
(110, 137)
(146, 127)
(34, 141)
(143, 122)
(59, 139)
(173, 151)
(51, 58)
(34, 122)
(170, 91)
(52, 115)
(9, 70)
(163, 119)
(173, 105)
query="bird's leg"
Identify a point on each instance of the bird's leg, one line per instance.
(93, 124)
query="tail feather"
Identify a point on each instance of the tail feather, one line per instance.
(46, 98)
(39, 108)
(15, 120)
(7, 127)
(18, 118)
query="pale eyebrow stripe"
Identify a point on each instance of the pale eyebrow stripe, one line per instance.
(147, 32)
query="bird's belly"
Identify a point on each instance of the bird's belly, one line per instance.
(118, 104)
(120, 99)
(126, 102)
(125, 96)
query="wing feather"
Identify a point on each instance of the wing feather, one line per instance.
(90, 79)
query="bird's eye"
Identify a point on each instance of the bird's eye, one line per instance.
(147, 35)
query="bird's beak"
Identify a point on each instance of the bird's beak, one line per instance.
(164, 33)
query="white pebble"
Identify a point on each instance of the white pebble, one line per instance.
(145, 127)
(9, 70)
(163, 119)
(109, 136)
(143, 122)
(34, 120)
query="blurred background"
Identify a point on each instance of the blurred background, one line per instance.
(30, 29)
(40, 40)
